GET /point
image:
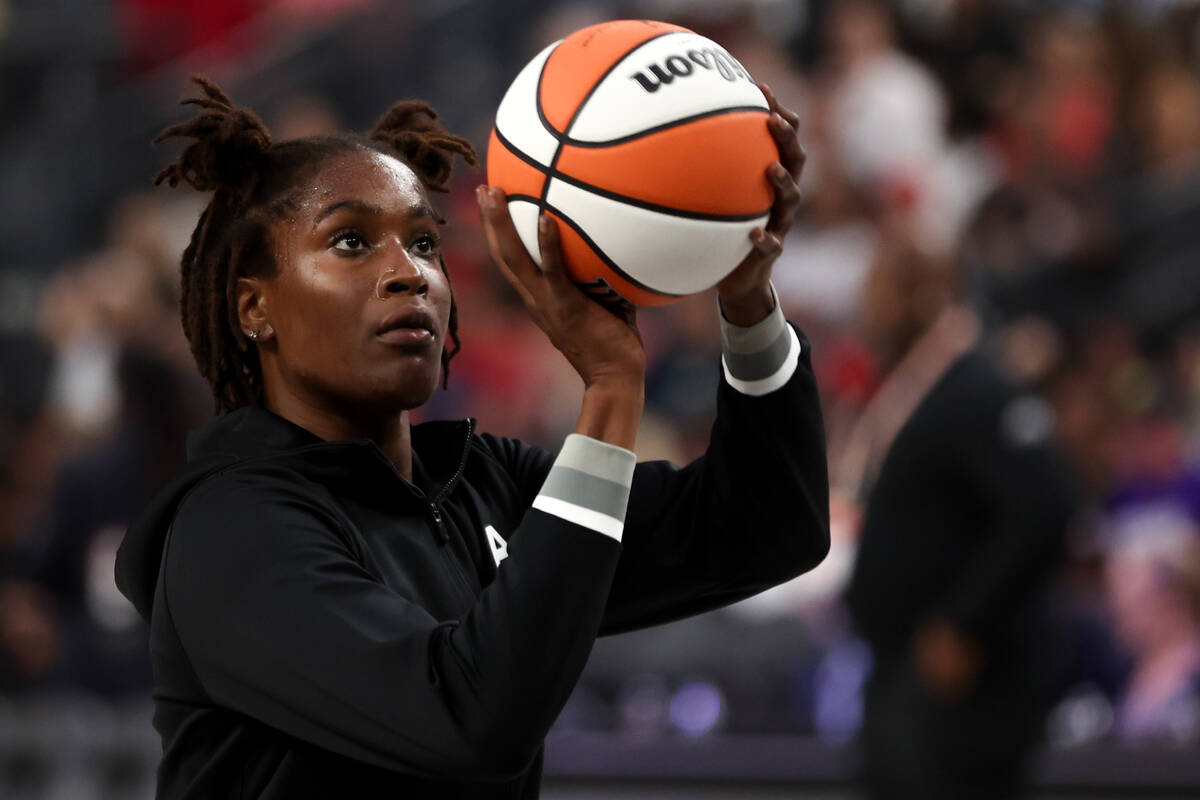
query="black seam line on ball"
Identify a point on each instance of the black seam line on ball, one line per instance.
(551, 173)
(592, 244)
(611, 67)
(716, 112)
(575, 115)
(537, 100)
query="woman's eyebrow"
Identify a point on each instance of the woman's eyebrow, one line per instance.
(422, 210)
(355, 205)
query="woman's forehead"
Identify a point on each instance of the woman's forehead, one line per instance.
(365, 175)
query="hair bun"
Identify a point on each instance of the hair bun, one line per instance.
(410, 127)
(231, 142)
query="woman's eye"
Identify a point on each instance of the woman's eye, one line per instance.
(350, 242)
(426, 245)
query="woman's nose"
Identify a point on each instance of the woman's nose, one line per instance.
(403, 277)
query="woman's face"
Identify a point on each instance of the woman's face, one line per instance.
(359, 305)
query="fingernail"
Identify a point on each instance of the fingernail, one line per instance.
(481, 195)
(757, 235)
(778, 172)
(778, 120)
(544, 223)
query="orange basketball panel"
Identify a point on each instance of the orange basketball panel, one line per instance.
(582, 58)
(506, 170)
(584, 265)
(713, 165)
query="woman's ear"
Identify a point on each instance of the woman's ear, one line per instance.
(252, 310)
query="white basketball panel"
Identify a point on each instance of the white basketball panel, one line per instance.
(517, 117)
(672, 77)
(667, 253)
(525, 219)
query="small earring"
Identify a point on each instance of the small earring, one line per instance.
(253, 335)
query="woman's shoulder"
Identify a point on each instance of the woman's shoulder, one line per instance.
(263, 501)
(515, 457)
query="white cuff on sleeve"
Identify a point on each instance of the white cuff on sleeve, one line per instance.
(589, 485)
(761, 358)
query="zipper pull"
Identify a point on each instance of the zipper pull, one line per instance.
(436, 513)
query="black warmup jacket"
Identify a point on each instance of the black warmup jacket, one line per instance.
(321, 627)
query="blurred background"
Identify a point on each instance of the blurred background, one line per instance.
(1018, 178)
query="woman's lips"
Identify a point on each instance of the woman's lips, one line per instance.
(409, 337)
(407, 327)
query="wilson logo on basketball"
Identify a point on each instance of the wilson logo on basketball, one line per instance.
(678, 66)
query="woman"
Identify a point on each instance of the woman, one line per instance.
(342, 604)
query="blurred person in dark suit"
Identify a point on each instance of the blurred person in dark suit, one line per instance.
(967, 504)
(28, 635)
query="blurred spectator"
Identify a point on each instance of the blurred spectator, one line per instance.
(1068, 110)
(832, 244)
(967, 508)
(888, 113)
(1153, 580)
(125, 393)
(1160, 290)
(888, 118)
(105, 642)
(28, 635)
(681, 383)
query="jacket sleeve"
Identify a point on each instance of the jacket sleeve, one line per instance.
(281, 622)
(750, 513)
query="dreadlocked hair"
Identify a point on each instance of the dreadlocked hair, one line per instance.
(410, 128)
(253, 180)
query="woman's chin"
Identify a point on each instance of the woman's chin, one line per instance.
(412, 392)
(379, 394)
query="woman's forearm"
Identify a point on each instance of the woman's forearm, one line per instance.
(611, 411)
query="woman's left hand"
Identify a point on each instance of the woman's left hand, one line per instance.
(746, 293)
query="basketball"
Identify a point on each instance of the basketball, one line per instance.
(648, 145)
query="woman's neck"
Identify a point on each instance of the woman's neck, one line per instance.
(389, 431)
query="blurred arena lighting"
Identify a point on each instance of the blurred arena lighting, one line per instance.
(697, 708)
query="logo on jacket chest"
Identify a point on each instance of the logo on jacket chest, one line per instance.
(496, 544)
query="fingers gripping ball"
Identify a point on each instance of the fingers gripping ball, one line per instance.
(648, 144)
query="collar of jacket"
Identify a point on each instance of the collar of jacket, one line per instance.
(251, 433)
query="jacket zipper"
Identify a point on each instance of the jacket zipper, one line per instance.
(435, 512)
(464, 583)
(462, 464)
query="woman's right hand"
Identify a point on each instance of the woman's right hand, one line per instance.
(601, 343)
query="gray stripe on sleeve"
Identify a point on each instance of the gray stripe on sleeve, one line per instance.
(763, 364)
(582, 489)
(597, 458)
(756, 338)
